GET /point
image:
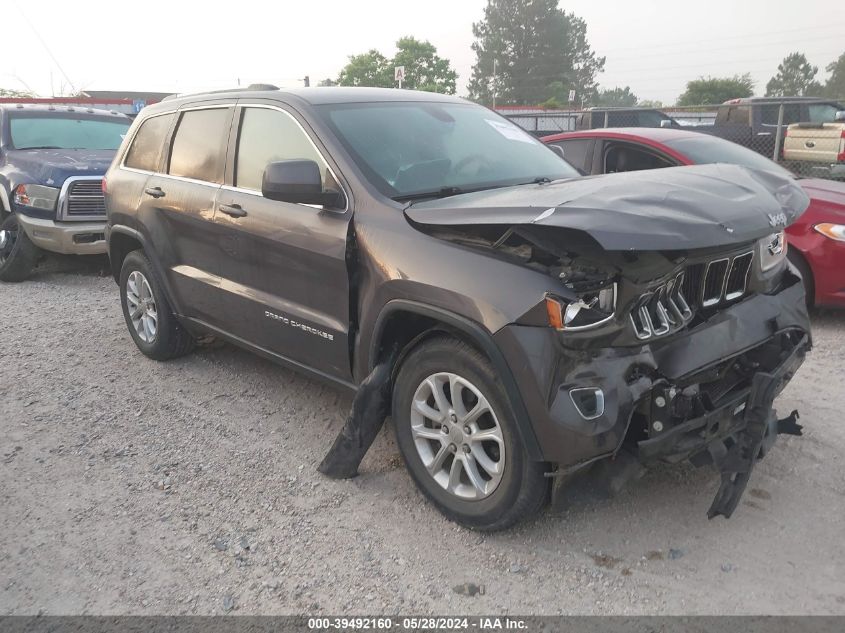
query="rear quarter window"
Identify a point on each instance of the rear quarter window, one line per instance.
(199, 145)
(578, 152)
(146, 147)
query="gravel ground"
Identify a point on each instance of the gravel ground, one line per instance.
(190, 487)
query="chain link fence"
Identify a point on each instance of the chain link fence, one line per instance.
(805, 136)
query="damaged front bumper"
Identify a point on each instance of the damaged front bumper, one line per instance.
(704, 395)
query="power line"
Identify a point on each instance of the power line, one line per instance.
(816, 28)
(44, 44)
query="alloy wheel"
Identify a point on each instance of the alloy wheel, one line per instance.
(142, 306)
(457, 436)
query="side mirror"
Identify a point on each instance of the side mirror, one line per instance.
(557, 149)
(297, 181)
(839, 116)
(667, 123)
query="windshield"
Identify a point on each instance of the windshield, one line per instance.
(415, 148)
(708, 149)
(823, 112)
(66, 132)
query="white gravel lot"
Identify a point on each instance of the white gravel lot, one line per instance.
(190, 487)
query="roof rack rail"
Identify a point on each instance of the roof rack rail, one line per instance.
(224, 91)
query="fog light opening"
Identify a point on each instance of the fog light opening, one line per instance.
(589, 401)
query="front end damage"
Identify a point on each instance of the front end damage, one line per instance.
(704, 394)
(671, 349)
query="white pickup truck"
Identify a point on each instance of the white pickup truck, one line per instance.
(817, 149)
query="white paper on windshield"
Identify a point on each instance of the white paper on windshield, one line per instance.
(510, 131)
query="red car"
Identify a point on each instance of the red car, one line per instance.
(817, 239)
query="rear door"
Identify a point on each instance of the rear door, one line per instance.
(284, 273)
(177, 208)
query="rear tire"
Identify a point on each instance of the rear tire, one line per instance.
(474, 468)
(18, 255)
(149, 317)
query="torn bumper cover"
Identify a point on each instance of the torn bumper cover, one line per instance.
(704, 395)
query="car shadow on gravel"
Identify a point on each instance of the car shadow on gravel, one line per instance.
(54, 265)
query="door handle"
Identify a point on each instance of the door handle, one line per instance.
(155, 192)
(234, 210)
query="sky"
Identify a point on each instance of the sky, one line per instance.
(653, 46)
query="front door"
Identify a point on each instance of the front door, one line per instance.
(283, 265)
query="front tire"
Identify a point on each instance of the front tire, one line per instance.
(458, 439)
(18, 255)
(149, 317)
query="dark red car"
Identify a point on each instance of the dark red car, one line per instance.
(817, 238)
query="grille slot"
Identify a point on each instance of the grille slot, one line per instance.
(85, 198)
(670, 306)
(714, 282)
(737, 280)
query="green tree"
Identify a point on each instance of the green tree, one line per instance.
(539, 52)
(796, 77)
(614, 97)
(835, 85)
(424, 69)
(367, 69)
(710, 90)
(651, 103)
(327, 82)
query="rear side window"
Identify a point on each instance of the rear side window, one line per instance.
(146, 146)
(267, 136)
(770, 112)
(578, 152)
(199, 144)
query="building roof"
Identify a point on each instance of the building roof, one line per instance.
(149, 97)
(43, 107)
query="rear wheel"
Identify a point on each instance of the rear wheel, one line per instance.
(458, 439)
(149, 317)
(18, 255)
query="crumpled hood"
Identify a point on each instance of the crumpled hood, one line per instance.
(676, 208)
(52, 166)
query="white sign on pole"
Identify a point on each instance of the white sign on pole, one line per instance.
(399, 74)
(571, 96)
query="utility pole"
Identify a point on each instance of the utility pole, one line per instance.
(307, 81)
(494, 84)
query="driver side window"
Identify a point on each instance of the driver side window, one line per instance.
(620, 157)
(266, 136)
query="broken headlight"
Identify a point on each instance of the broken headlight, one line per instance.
(772, 250)
(589, 309)
(36, 196)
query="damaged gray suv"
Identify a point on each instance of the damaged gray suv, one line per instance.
(518, 323)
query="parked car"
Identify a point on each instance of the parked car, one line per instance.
(817, 148)
(52, 161)
(753, 121)
(816, 239)
(517, 321)
(597, 117)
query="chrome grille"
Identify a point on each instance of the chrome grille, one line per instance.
(85, 198)
(714, 282)
(670, 306)
(662, 310)
(737, 280)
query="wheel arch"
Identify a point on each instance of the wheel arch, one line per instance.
(122, 240)
(800, 261)
(407, 323)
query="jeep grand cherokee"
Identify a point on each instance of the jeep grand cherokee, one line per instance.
(521, 322)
